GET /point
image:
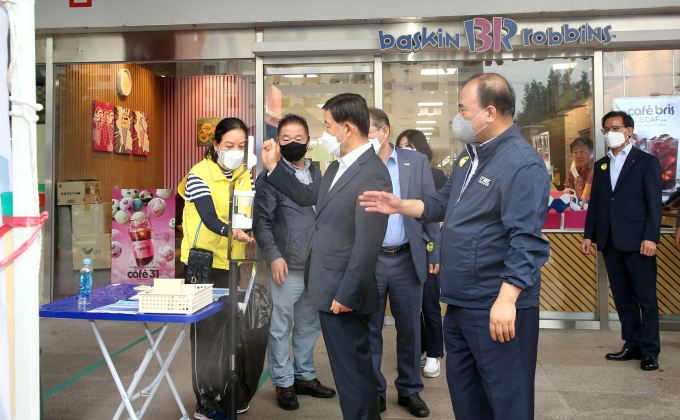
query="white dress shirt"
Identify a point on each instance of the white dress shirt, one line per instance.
(347, 161)
(616, 163)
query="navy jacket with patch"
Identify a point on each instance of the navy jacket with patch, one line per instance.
(492, 231)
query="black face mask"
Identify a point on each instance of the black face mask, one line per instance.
(294, 151)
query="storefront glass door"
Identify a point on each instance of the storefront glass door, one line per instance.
(304, 89)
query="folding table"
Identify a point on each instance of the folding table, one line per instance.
(68, 309)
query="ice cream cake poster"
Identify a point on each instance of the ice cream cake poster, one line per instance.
(142, 235)
(657, 130)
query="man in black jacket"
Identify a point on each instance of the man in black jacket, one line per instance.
(624, 219)
(284, 231)
(345, 247)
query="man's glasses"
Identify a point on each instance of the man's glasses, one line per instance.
(613, 128)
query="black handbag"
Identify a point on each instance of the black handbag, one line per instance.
(199, 263)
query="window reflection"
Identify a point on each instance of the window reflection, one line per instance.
(554, 105)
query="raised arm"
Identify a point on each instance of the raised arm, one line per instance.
(301, 194)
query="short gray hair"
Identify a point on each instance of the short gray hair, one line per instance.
(379, 117)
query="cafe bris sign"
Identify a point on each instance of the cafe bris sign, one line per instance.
(495, 34)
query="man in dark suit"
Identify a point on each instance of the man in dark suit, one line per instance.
(624, 219)
(402, 267)
(344, 248)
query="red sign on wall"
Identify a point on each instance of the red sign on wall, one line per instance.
(79, 3)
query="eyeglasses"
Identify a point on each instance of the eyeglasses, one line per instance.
(613, 128)
(376, 130)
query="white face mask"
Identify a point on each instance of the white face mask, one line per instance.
(376, 143)
(331, 142)
(230, 159)
(463, 130)
(614, 139)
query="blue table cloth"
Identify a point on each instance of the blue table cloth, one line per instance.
(112, 293)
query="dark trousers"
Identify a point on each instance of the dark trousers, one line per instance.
(349, 351)
(632, 277)
(490, 380)
(203, 334)
(396, 276)
(431, 333)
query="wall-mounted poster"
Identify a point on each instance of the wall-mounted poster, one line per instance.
(102, 126)
(122, 130)
(142, 235)
(206, 130)
(140, 133)
(657, 130)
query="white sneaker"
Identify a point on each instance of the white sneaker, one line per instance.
(423, 357)
(432, 368)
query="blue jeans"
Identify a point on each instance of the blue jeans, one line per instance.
(294, 313)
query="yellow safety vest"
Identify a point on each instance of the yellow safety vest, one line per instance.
(196, 235)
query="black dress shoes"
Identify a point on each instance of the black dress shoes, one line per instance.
(382, 404)
(286, 398)
(313, 388)
(625, 354)
(649, 363)
(416, 406)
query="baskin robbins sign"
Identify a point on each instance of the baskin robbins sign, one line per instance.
(495, 34)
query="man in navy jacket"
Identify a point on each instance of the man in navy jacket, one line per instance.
(493, 207)
(624, 219)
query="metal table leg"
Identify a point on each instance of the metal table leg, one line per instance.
(116, 378)
(140, 372)
(150, 390)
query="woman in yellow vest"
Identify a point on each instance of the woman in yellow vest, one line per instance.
(206, 226)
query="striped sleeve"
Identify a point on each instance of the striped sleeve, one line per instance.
(196, 188)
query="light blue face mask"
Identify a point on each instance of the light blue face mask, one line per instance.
(462, 128)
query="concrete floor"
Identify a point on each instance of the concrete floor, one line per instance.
(573, 379)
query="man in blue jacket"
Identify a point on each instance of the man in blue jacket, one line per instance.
(493, 207)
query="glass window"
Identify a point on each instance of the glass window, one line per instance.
(554, 105)
(159, 119)
(644, 84)
(303, 90)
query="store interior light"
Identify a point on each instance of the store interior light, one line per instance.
(426, 122)
(436, 72)
(294, 76)
(312, 75)
(563, 66)
(319, 105)
(430, 103)
(429, 114)
(425, 128)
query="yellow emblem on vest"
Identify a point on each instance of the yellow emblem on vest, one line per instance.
(604, 166)
(463, 160)
(430, 247)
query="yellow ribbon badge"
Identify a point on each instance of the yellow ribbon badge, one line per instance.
(430, 247)
(604, 166)
(463, 160)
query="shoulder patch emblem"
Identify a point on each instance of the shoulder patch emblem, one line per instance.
(463, 160)
(604, 166)
(484, 181)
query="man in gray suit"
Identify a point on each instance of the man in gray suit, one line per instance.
(344, 248)
(402, 266)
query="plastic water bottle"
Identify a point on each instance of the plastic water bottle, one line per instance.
(85, 286)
